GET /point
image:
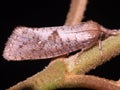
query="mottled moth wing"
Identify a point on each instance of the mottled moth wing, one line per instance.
(41, 43)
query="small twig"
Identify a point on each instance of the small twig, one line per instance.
(91, 82)
(75, 14)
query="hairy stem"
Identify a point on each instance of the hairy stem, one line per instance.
(75, 14)
(48, 79)
(91, 82)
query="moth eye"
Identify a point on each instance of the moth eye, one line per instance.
(103, 36)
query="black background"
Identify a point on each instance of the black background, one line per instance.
(47, 13)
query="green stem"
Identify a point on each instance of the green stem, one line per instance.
(48, 79)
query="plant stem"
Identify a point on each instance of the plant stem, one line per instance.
(76, 11)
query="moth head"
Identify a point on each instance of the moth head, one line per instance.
(105, 33)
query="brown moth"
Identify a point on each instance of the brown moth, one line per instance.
(41, 43)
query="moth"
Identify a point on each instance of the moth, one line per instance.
(50, 42)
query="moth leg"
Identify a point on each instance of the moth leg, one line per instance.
(82, 50)
(100, 48)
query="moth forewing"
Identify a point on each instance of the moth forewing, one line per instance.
(41, 43)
